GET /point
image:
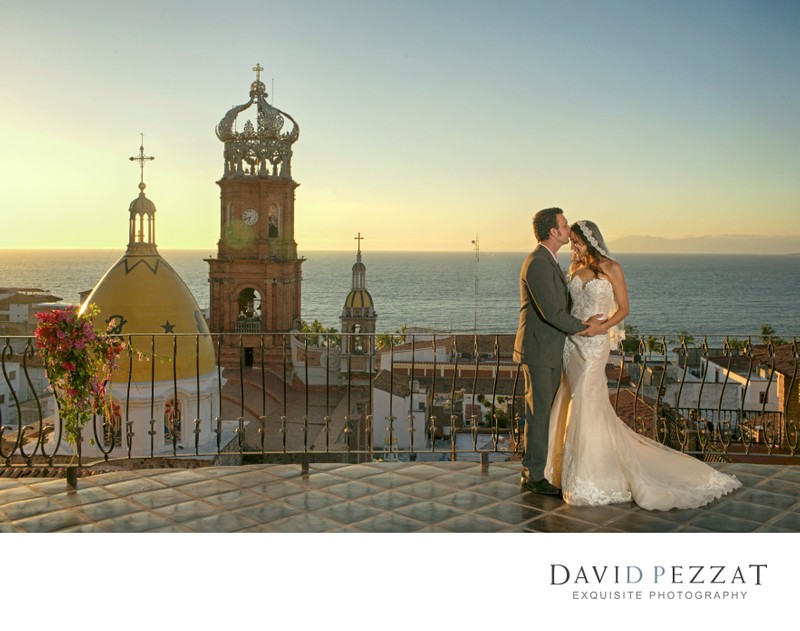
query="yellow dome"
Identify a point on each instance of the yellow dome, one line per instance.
(359, 299)
(143, 295)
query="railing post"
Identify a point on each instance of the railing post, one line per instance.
(72, 479)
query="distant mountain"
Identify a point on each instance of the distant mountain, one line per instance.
(708, 244)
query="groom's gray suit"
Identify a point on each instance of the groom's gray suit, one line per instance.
(544, 323)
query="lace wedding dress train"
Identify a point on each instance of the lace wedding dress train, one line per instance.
(594, 457)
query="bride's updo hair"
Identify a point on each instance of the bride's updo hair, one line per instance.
(588, 233)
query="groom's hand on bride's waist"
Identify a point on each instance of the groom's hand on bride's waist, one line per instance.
(594, 326)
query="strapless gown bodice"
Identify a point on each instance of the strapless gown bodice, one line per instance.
(591, 297)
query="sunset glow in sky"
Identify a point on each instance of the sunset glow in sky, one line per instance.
(421, 123)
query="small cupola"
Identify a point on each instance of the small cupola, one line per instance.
(142, 221)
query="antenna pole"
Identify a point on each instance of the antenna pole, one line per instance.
(475, 242)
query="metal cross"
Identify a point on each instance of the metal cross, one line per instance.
(258, 70)
(141, 160)
(359, 238)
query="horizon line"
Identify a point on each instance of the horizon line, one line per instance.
(471, 252)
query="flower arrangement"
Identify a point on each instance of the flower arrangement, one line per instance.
(79, 363)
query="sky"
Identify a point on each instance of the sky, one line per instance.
(422, 124)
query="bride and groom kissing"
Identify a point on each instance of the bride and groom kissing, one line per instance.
(575, 445)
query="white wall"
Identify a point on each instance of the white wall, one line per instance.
(8, 411)
(399, 410)
(137, 411)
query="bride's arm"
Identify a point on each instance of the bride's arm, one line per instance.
(616, 277)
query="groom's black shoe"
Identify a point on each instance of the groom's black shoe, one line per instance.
(542, 487)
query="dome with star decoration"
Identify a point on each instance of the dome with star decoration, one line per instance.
(142, 295)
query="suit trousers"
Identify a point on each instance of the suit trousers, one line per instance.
(541, 386)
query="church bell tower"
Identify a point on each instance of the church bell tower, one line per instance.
(358, 322)
(255, 278)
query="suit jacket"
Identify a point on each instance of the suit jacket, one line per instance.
(544, 318)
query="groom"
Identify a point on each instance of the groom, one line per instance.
(544, 323)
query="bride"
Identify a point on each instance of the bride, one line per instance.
(593, 456)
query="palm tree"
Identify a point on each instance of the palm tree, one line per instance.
(631, 342)
(682, 336)
(735, 344)
(768, 334)
(651, 342)
(319, 334)
(385, 340)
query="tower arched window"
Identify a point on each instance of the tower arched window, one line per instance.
(357, 341)
(274, 223)
(249, 304)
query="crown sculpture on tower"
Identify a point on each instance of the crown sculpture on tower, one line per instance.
(262, 151)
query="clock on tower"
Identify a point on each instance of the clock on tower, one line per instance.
(250, 216)
(255, 277)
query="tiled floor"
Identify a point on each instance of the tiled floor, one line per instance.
(373, 497)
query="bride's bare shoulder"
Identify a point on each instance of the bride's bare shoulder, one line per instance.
(611, 268)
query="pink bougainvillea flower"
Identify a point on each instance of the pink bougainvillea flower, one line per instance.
(78, 363)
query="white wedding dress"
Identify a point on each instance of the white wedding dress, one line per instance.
(593, 456)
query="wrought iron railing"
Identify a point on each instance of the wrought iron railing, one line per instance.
(303, 397)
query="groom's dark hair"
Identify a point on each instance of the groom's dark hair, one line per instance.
(544, 221)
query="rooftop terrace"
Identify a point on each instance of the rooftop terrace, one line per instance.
(374, 497)
(317, 578)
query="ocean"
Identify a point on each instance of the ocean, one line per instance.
(712, 294)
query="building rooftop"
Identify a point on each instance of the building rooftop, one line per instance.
(375, 497)
(26, 295)
(784, 358)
